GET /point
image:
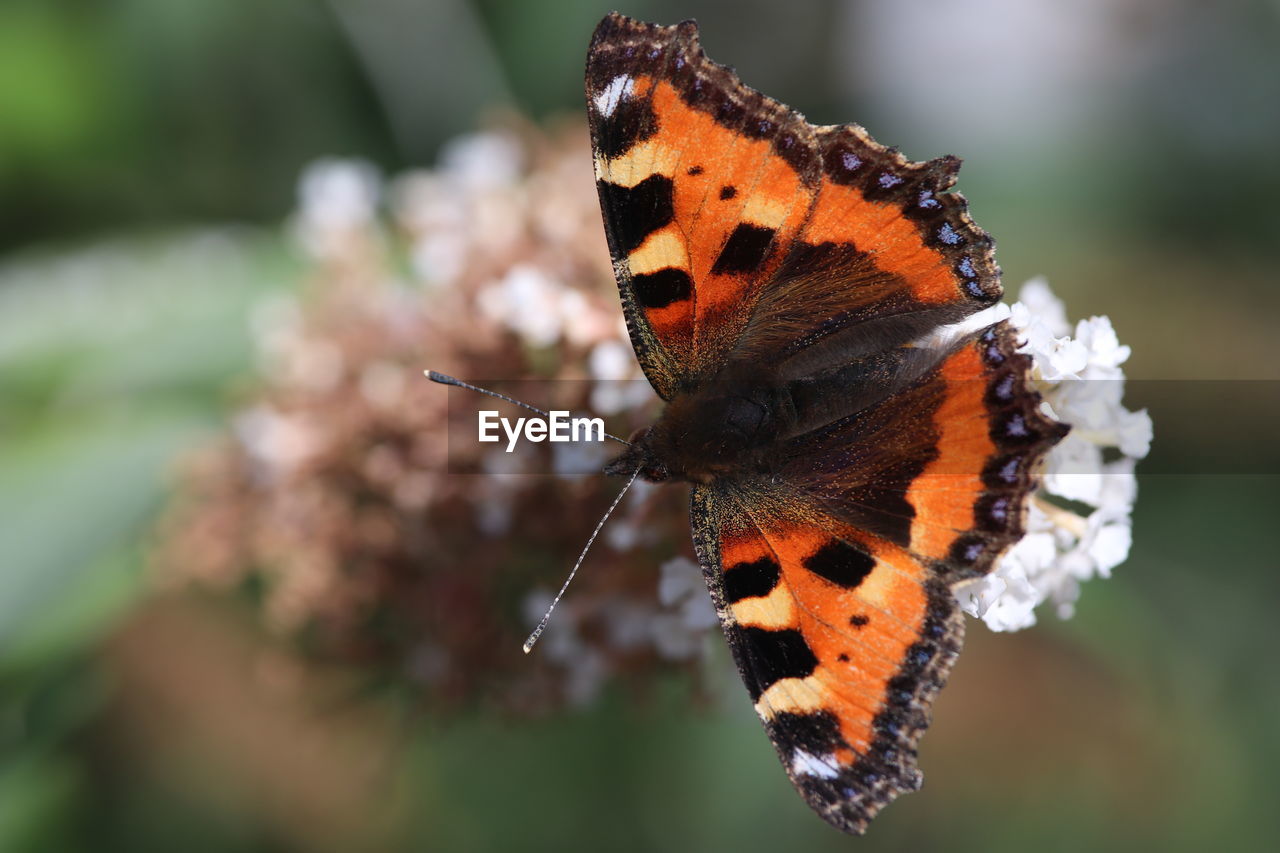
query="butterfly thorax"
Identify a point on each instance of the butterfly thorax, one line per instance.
(726, 425)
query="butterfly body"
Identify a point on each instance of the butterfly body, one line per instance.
(778, 281)
(723, 428)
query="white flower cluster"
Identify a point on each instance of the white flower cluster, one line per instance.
(474, 191)
(337, 202)
(1082, 384)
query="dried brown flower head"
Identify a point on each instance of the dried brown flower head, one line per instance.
(336, 495)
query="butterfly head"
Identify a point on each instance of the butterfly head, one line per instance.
(639, 456)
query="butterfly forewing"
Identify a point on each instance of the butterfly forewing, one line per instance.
(704, 185)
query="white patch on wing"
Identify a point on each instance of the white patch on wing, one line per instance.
(610, 96)
(823, 767)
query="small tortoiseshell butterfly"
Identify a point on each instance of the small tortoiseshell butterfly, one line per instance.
(775, 276)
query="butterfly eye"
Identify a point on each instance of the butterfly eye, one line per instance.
(640, 456)
(655, 473)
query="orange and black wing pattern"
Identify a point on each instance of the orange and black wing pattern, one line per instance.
(842, 640)
(704, 185)
(833, 578)
(724, 207)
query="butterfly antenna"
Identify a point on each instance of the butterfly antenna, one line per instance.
(449, 380)
(546, 617)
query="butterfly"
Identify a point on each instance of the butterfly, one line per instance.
(778, 279)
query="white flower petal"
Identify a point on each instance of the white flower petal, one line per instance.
(1110, 547)
(1098, 336)
(1036, 297)
(1073, 470)
(1135, 434)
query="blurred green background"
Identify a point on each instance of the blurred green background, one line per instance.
(149, 151)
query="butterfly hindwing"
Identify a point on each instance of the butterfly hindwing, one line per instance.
(943, 465)
(842, 641)
(833, 580)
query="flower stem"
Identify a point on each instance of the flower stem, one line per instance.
(1064, 518)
